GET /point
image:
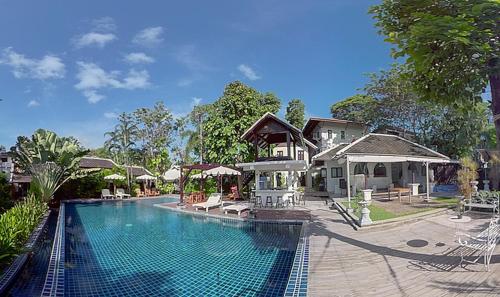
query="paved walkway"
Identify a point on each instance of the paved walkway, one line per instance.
(415, 259)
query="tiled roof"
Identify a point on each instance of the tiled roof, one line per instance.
(329, 153)
(94, 162)
(138, 170)
(385, 144)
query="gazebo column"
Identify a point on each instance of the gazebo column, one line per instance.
(288, 144)
(257, 178)
(427, 198)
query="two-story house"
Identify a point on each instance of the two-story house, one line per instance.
(327, 134)
(6, 164)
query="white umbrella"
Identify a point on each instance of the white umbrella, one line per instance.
(198, 176)
(113, 177)
(172, 174)
(221, 170)
(145, 177)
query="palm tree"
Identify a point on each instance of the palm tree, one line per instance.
(122, 140)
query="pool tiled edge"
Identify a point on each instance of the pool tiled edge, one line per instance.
(8, 277)
(54, 281)
(297, 283)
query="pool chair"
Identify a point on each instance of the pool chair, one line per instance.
(238, 207)
(105, 194)
(120, 193)
(139, 193)
(213, 201)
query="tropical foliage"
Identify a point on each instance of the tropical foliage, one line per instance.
(467, 174)
(5, 193)
(390, 101)
(16, 226)
(451, 47)
(51, 161)
(229, 117)
(295, 113)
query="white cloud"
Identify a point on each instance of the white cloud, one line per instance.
(138, 58)
(33, 103)
(48, 67)
(94, 39)
(92, 78)
(104, 24)
(248, 72)
(149, 37)
(187, 56)
(110, 115)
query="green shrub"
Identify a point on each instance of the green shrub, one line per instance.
(17, 224)
(5, 193)
(165, 187)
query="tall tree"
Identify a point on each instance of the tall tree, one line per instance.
(358, 108)
(451, 46)
(122, 139)
(229, 117)
(155, 126)
(295, 113)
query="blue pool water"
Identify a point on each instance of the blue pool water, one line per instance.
(135, 249)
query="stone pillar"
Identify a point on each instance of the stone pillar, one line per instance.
(486, 185)
(414, 189)
(364, 219)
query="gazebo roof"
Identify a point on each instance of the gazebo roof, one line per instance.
(383, 148)
(270, 129)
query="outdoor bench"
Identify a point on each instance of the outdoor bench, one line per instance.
(484, 200)
(484, 243)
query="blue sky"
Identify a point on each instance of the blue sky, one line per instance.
(71, 66)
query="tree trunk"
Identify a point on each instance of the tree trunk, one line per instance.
(495, 104)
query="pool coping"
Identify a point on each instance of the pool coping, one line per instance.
(297, 280)
(54, 281)
(11, 272)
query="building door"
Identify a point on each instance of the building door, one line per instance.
(322, 183)
(397, 173)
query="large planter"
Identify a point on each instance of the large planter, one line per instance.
(414, 189)
(474, 184)
(367, 196)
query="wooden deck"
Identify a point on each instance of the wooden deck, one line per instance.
(413, 259)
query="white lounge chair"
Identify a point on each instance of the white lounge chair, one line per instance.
(238, 207)
(484, 243)
(105, 194)
(213, 201)
(120, 193)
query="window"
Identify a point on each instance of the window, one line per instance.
(379, 170)
(361, 168)
(330, 134)
(279, 153)
(336, 172)
(342, 134)
(301, 155)
(317, 135)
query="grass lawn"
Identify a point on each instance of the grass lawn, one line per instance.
(379, 213)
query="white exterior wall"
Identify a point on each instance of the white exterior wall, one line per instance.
(285, 152)
(351, 133)
(333, 184)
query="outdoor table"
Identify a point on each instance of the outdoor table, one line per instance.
(400, 191)
(458, 223)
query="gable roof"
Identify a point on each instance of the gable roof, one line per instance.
(137, 170)
(376, 147)
(313, 122)
(95, 162)
(329, 153)
(295, 132)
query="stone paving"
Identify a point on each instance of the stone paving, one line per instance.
(406, 259)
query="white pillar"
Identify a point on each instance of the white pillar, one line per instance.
(348, 185)
(257, 179)
(427, 198)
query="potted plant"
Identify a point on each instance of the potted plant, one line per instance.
(466, 177)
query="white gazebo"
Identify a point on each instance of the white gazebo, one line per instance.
(381, 160)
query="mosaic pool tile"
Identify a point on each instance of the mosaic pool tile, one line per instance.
(134, 249)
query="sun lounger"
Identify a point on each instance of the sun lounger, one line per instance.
(238, 207)
(213, 201)
(105, 194)
(120, 193)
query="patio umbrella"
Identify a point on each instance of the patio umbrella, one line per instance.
(220, 171)
(145, 177)
(173, 174)
(114, 177)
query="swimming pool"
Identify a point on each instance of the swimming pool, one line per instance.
(131, 248)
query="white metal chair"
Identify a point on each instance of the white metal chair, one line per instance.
(484, 243)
